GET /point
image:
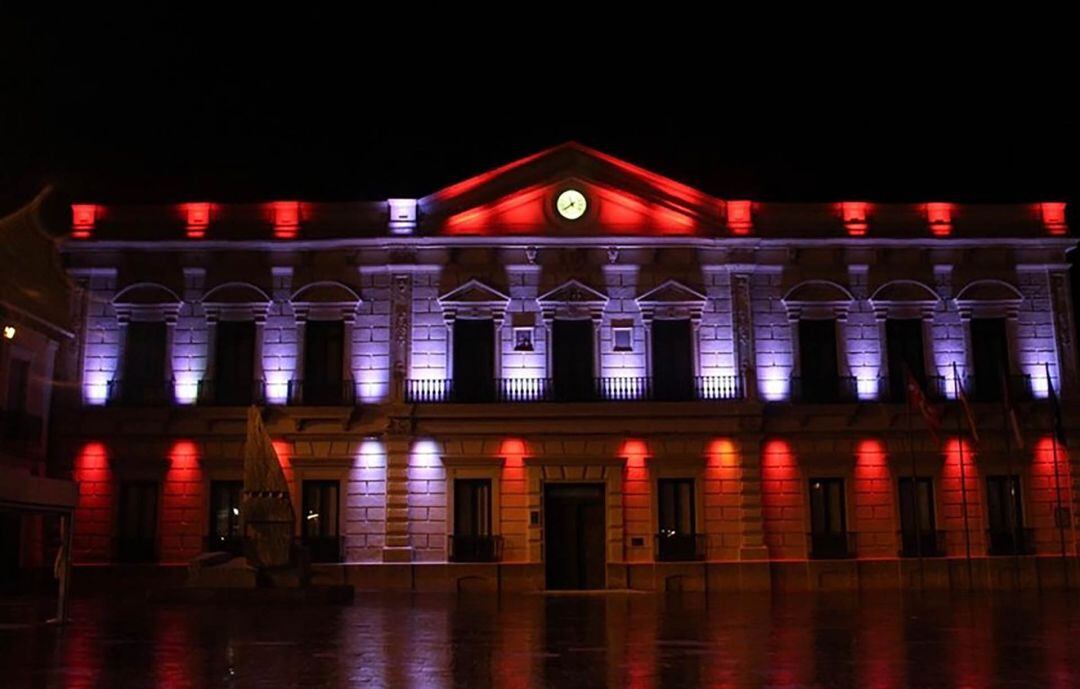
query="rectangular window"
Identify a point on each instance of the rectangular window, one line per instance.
(143, 373)
(677, 536)
(324, 343)
(473, 540)
(474, 360)
(234, 363)
(573, 360)
(1005, 515)
(672, 359)
(918, 537)
(828, 519)
(319, 524)
(904, 349)
(819, 377)
(990, 359)
(137, 518)
(225, 523)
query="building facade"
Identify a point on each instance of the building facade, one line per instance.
(570, 372)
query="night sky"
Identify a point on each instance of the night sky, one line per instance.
(190, 110)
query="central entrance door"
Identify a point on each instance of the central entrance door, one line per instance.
(574, 535)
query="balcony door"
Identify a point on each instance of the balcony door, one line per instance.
(573, 360)
(474, 360)
(819, 369)
(324, 343)
(672, 359)
(990, 357)
(143, 380)
(904, 349)
(234, 363)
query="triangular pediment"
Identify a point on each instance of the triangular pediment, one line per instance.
(573, 292)
(474, 292)
(671, 292)
(519, 199)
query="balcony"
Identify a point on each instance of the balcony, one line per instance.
(924, 544)
(677, 547)
(140, 393)
(599, 390)
(322, 394)
(217, 393)
(992, 389)
(323, 548)
(475, 548)
(933, 387)
(1016, 542)
(831, 546)
(19, 431)
(839, 390)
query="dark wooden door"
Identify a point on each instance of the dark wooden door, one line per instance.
(904, 349)
(917, 533)
(574, 555)
(324, 343)
(573, 360)
(234, 363)
(137, 518)
(474, 360)
(818, 366)
(828, 518)
(672, 359)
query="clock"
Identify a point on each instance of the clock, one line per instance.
(571, 204)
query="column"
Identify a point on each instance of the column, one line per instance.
(750, 501)
(742, 326)
(1064, 329)
(400, 332)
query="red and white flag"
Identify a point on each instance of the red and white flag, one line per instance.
(916, 399)
(962, 396)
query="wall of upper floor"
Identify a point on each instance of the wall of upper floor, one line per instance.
(399, 302)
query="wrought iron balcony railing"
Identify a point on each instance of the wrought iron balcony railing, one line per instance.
(1014, 542)
(933, 387)
(926, 543)
(141, 393)
(617, 389)
(831, 545)
(993, 389)
(219, 393)
(340, 393)
(839, 389)
(678, 547)
(475, 548)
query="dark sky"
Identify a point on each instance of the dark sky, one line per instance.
(175, 110)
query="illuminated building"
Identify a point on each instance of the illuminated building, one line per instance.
(573, 372)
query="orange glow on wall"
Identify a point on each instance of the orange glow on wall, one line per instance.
(954, 493)
(182, 504)
(286, 218)
(634, 451)
(855, 214)
(782, 496)
(874, 509)
(83, 218)
(1050, 485)
(197, 218)
(93, 511)
(740, 216)
(939, 216)
(1053, 217)
(722, 453)
(513, 451)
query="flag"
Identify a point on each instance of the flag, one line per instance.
(916, 399)
(962, 396)
(1010, 412)
(1055, 410)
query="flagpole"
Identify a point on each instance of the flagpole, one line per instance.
(1006, 403)
(914, 481)
(1057, 483)
(963, 483)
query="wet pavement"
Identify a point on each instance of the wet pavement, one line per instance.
(609, 640)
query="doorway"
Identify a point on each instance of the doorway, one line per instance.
(474, 360)
(574, 540)
(573, 360)
(672, 360)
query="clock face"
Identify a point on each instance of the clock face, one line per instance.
(571, 204)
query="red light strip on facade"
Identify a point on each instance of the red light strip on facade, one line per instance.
(854, 214)
(1053, 217)
(286, 216)
(197, 216)
(939, 215)
(740, 216)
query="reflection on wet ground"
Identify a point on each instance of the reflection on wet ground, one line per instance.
(610, 640)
